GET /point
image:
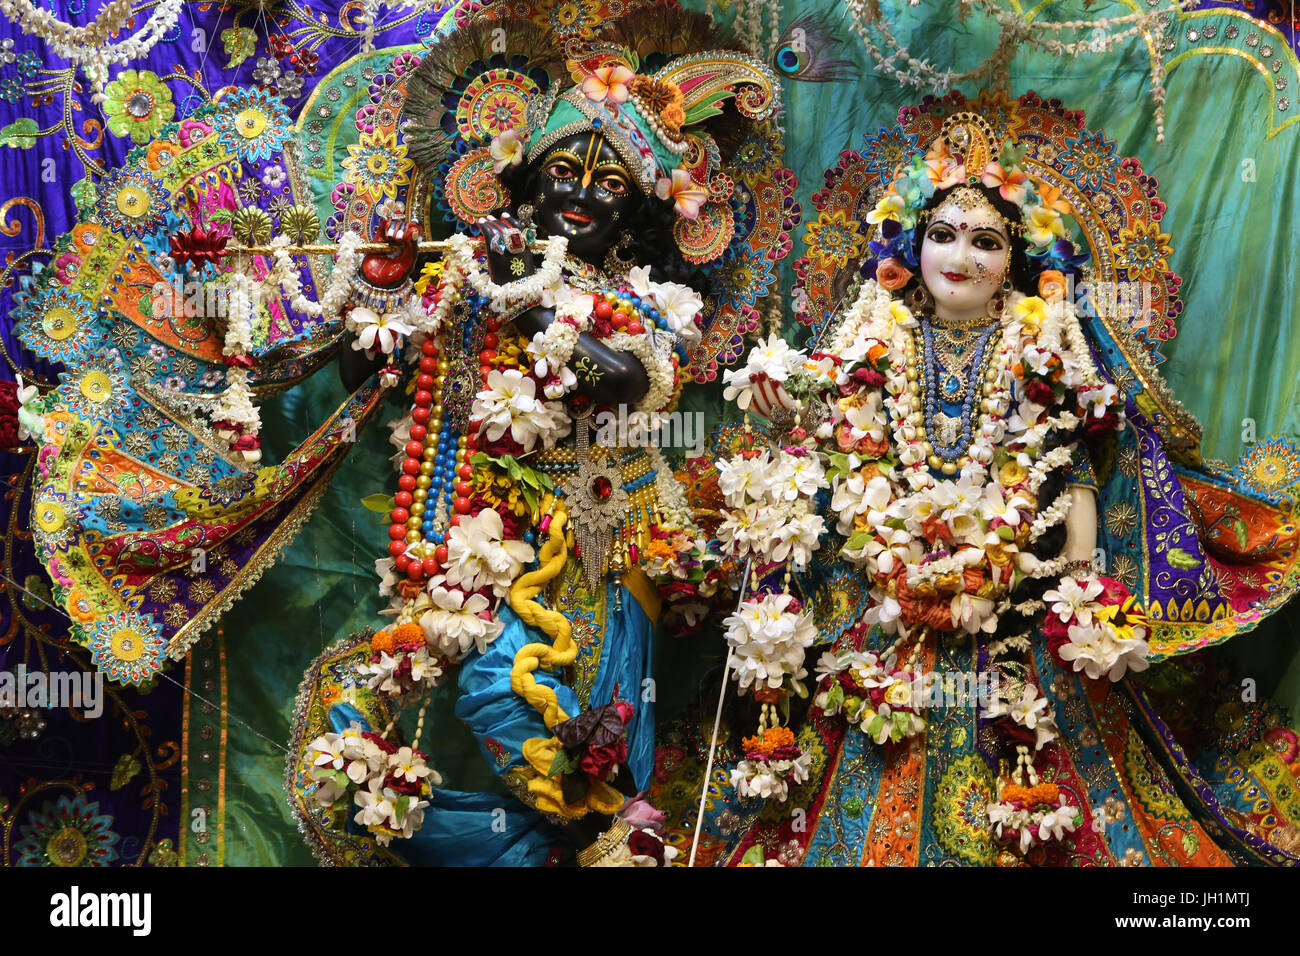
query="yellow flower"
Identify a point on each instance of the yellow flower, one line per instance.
(1012, 474)
(899, 695)
(1031, 312)
(1043, 225)
(889, 207)
(50, 516)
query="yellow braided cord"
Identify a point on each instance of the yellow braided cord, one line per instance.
(562, 651)
(540, 752)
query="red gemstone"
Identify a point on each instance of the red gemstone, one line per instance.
(493, 323)
(489, 340)
(401, 563)
(429, 348)
(619, 321)
(424, 382)
(423, 399)
(414, 571)
(602, 487)
(604, 311)
(635, 328)
(440, 553)
(466, 472)
(430, 567)
(464, 488)
(462, 506)
(421, 416)
(400, 515)
(487, 356)
(396, 548)
(406, 482)
(397, 531)
(414, 449)
(428, 364)
(411, 466)
(418, 432)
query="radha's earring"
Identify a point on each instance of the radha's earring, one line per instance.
(918, 300)
(614, 263)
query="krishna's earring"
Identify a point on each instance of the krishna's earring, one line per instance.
(614, 263)
(526, 214)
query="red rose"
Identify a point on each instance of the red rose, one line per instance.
(1102, 427)
(1039, 393)
(642, 843)
(598, 761)
(625, 711)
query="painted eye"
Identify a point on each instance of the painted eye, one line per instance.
(988, 243)
(614, 184)
(940, 234)
(561, 170)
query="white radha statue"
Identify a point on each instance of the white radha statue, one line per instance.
(936, 534)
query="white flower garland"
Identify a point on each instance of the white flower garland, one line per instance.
(339, 288)
(522, 292)
(1050, 516)
(89, 45)
(672, 499)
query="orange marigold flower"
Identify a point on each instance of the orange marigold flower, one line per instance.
(779, 737)
(384, 642)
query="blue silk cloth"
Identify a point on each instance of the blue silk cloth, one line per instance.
(488, 829)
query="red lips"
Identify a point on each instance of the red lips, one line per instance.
(955, 277)
(578, 217)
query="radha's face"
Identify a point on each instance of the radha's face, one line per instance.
(586, 194)
(964, 258)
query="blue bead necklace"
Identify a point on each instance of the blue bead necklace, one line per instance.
(951, 389)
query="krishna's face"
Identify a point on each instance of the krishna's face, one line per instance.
(585, 193)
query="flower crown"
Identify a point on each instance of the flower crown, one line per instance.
(1043, 208)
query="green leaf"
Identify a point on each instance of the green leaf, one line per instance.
(220, 215)
(874, 725)
(562, 764)
(1181, 559)
(1191, 842)
(857, 540)
(753, 856)
(20, 134)
(379, 503)
(83, 194)
(1242, 532)
(1006, 533)
(898, 524)
(239, 44)
(834, 696)
(127, 766)
(400, 806)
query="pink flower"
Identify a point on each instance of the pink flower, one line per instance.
(1011, 185)
(683, 191)
(944, 173)
(607, 83)
(192, 132)
(66, 267)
